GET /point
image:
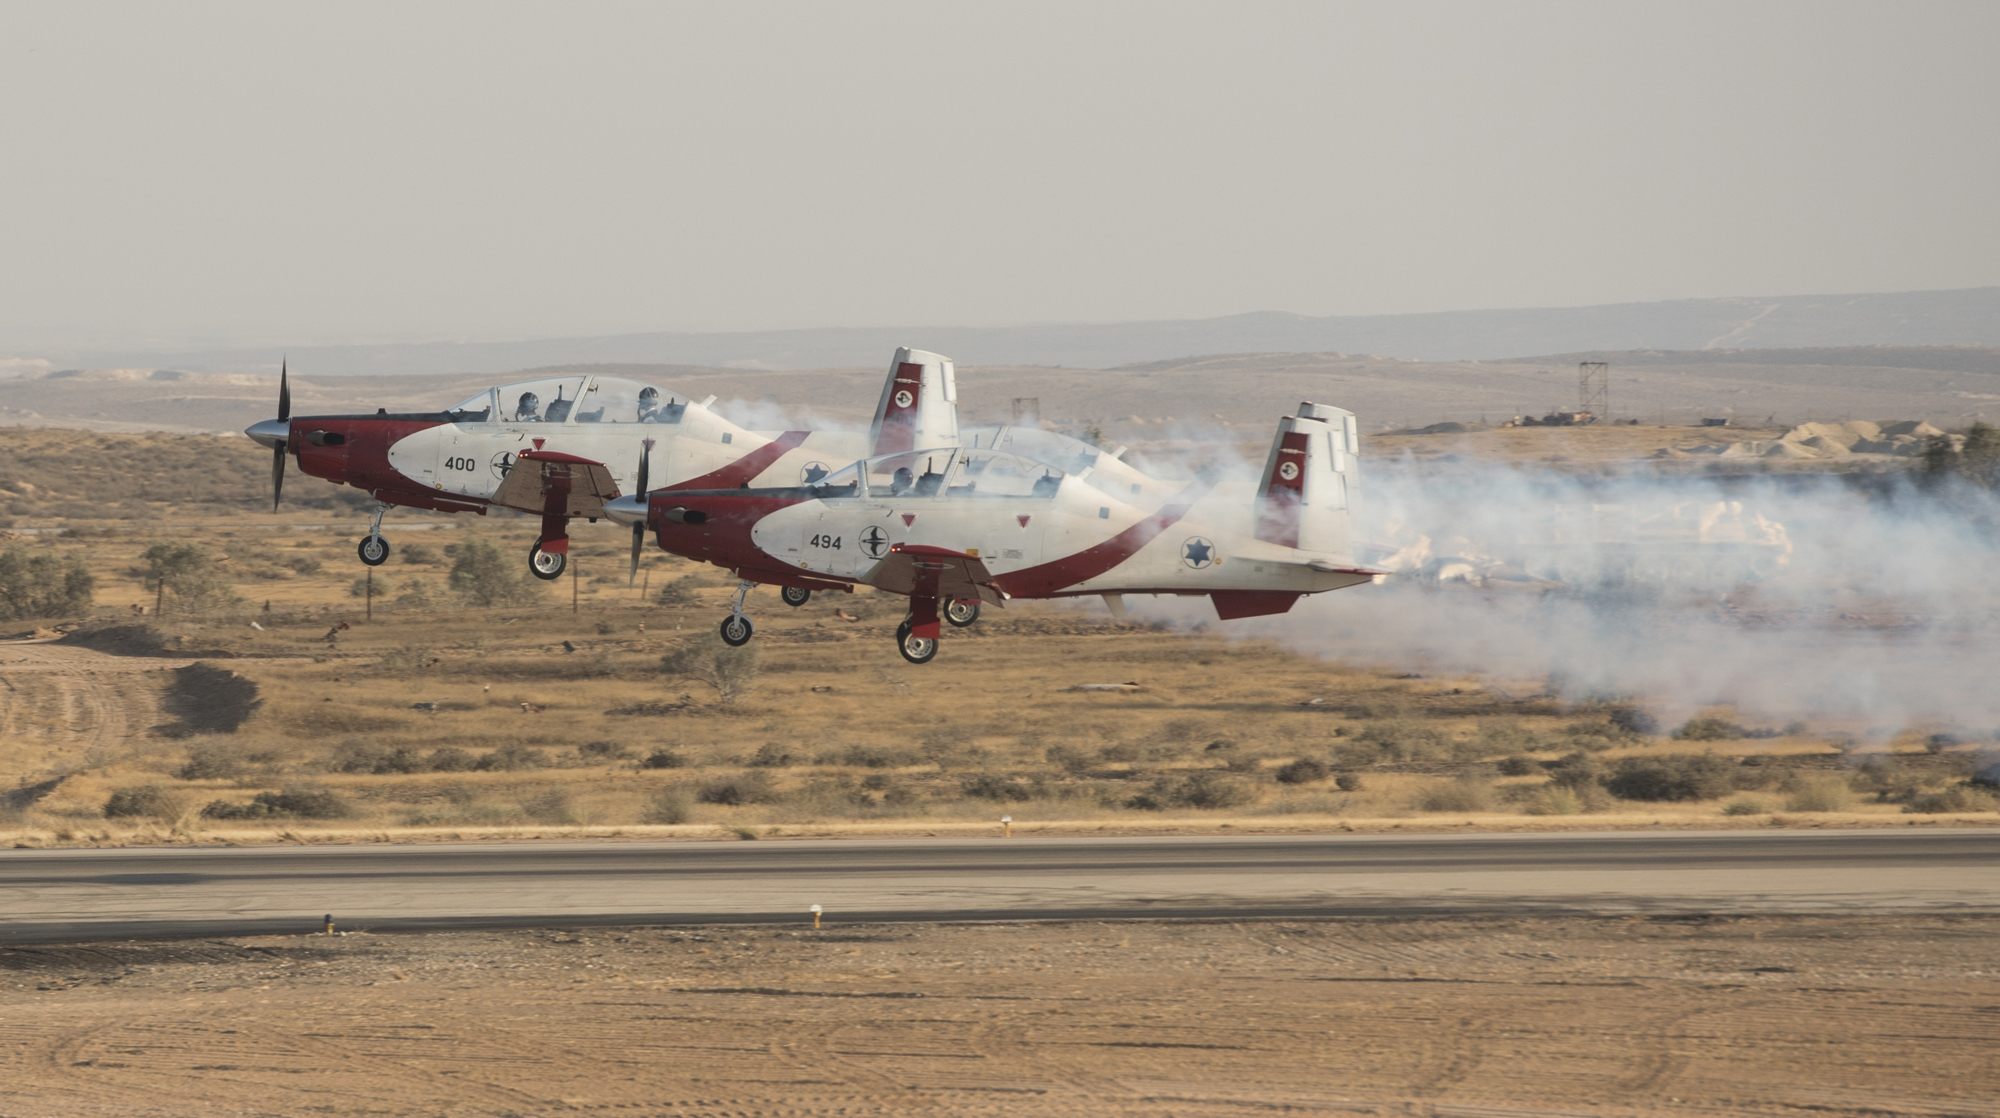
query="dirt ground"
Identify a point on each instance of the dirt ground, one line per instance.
(1762, 1015)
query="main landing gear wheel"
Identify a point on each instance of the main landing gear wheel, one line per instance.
(961, 613)
(915, 649)
(736, 630)
(374, 550)
(546, 565)
(795, 596)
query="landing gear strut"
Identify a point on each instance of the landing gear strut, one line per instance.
(374, 549)
(736, 628)
(550, 555)
(917, 636)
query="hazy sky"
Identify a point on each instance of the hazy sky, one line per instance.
(257, 172)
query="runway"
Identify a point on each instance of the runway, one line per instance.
(54, 895)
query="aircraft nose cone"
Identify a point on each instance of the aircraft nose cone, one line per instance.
(270, 432)
(627, 510)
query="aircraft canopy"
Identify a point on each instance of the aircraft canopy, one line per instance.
(573, 399)
(952, 473)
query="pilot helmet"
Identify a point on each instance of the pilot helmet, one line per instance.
(530, 404)
(649, 396)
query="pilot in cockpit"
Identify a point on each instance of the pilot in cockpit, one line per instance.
(649, 404)
(529, 409)
(902, 482)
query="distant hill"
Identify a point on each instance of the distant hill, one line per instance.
(1965, 317)
(1949, 386)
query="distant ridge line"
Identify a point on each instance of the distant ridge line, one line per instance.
(1962, 317)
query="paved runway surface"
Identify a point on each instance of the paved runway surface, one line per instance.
(50, 895)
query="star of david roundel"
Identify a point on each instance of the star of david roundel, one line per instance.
(1198, 552)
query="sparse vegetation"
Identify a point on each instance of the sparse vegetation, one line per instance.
(188, 578)
(42, 585)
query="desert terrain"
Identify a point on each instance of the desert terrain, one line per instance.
(1758, 1015)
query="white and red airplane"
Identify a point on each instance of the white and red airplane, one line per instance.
(560, 447)
(954, 526)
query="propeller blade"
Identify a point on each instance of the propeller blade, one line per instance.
(277, 474)
(284, 416)
(639, 529)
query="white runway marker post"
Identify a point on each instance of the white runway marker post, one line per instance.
(1006, 826)
(815, 911)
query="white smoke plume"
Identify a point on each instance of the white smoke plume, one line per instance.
(1858, 610)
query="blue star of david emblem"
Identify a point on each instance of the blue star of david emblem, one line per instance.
(1197, 552)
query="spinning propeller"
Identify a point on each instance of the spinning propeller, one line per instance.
(639, 526)
(278, 449)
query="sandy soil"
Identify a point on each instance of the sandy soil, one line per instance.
(1763, 1015)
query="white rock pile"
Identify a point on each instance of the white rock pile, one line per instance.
(1901, 438)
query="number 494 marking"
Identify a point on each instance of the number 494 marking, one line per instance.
(830, 543)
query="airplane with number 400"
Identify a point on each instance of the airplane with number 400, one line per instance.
(561, 446)
(952, 527)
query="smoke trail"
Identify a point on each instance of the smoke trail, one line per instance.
(1789, 598)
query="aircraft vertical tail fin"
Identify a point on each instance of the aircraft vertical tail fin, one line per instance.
(919, 405)
(1309, 479)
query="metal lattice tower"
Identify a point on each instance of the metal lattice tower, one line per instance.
(1593, 389)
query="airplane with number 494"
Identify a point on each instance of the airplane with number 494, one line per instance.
(952, 527)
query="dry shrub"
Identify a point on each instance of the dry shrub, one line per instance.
(1959, 798)
(1208, 790)
(1678, 777)
(1708, 728)
(1519, 765)
(303, 802)
(211, 762)
(735, 791)
(1464, 794)
(671, 806)
(146, 801)
(512, 757)
(1745, 805)
(1496, 736)
(993, 786)
(1822, 793)
(664, 759)
(549, 806)
(730, 671)
(1305, 770)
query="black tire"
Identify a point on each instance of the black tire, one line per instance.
(795, 596)
(547, 565)
(737, 630)
(374, 550)
(915, 649)
(961, 613)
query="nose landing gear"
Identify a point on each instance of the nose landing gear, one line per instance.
(736, 628)
(374, 549)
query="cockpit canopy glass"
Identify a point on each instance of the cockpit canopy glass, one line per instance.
(949, 472)
(573, 400)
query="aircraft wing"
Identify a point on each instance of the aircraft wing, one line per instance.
(544, 481)
(918, 568)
